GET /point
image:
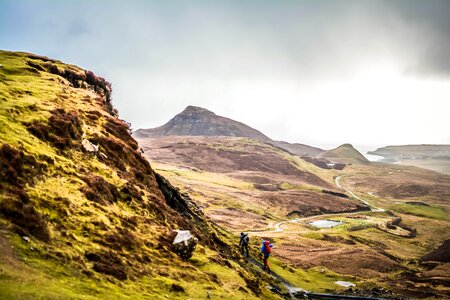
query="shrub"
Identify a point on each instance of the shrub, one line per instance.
(122, 239)
(99, 190)
(17, 167)
(25, 217)
(109, 263)
(360, 226)
(63, 129)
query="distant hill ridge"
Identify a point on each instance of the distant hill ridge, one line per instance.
(413, 151)
(345, 153)
(198, 121)
(432, 157)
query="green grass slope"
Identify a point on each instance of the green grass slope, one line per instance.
(345, 153)
(81, 225)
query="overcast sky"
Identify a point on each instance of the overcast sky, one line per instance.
(323, 73)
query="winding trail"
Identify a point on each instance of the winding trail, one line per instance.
(277, 226)
(299, 293)
(292, 290)
(372, 208)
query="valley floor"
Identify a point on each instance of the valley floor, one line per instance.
(377, 250)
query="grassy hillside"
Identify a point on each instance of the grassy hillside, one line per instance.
(345, 153)
(76, 224)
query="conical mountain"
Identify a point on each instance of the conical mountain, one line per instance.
(345, 153)
(197, 121)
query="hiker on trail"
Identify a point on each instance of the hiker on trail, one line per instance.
(243, 243)
(265, 250)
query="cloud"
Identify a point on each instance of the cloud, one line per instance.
(427, 36)
(256, 61)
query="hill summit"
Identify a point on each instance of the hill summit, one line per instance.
(198, 121)
(345, 153)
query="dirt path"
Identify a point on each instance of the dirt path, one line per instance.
(299, 293)
(372, 208)
(292, 290)
(277, 226)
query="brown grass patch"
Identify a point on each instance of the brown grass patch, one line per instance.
(99, 190)
(122, 239)
(62, 131)
(109, 263)
(17, 167)
(28, 220)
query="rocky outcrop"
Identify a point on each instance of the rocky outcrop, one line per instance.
(184, 243)
(181, 203)
(89, 147)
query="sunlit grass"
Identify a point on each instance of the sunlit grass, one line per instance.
(203, 177)
(318, 279)
(432, 212)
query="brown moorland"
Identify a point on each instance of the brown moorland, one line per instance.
(243, 184)
(251, 178)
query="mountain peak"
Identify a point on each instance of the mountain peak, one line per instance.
(196, 109)
(198, 121)
(346, 146)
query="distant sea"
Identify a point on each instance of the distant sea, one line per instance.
(364, 149)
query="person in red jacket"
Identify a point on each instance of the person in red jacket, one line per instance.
(265, 250)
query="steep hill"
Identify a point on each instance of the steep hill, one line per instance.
(197, 121)
(82, 213)
(345, 153)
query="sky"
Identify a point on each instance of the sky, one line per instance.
(323, 73)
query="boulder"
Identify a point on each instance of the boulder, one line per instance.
(184, 243)
(89, 147)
